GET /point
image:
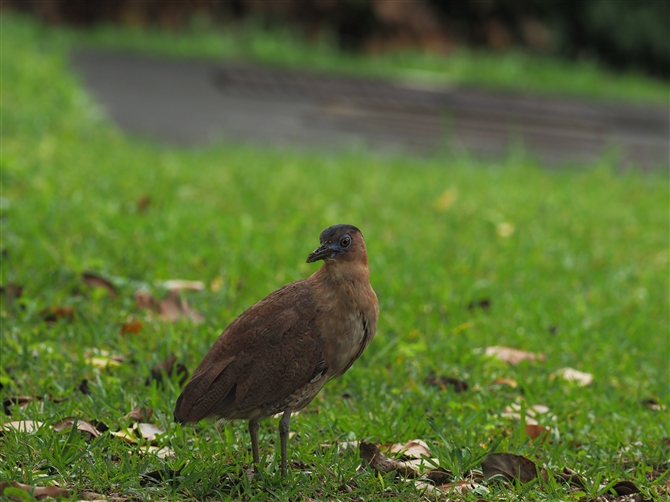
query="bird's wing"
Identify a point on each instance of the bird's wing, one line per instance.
(266, 354)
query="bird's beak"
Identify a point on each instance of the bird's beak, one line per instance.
(320, 253)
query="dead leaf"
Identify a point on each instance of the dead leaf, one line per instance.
(83, 387)
(179, 284)
(173, 308)
(414, 448)
(167, 367)
(513, 356)
(383, 464)
(82, 426)
(143, 203)
(572, 375)
(131, 327)
(23, 425)
(148, 431)
(510, 467)
(38, 492)
(20, 401)
(439, 476)
(535, 431)
(571, 477)
(97, 281)
(144, 300)
(446, 200)
(443, 381)
(101, 359)
(162, 453)
(141, 414)
(461, 487)
(11, 291)
(483, 303)
(506, 381)
(625, 488)
(52, 314)
(652, 404)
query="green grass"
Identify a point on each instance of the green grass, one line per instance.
(582, 278)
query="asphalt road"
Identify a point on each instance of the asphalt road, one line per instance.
(194, 102)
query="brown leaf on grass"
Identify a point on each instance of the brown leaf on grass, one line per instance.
(97, 281)
(83, 387)
(505, 381)
(625, 488)
(141, 414)
(180, 284)
(38, 492)
(414, 448)
(131, 327)
(572, 375)
(652, 404)
(167, 367)
(383, 464)
(22, 426)
(439, 476)
(82, 426)
(570, 477)
(138, 431)
(11, 291)
(511, 467)
(443, 381)
(513, 356)
(535, 431)
(52, 314)
(102, 359)
(143, 203)
(173, 307)
(20, 401)
(483, 303)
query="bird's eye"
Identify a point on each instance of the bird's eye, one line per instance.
(345, 242)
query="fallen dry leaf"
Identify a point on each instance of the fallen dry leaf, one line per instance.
(483, 303)
(38, 492)
(414, 448)
(82, 426)
(22, 425)
(443, 381)
(167, 367)
(143, 203)
(179, 284)
(20, 401)
(141, 414)
(83, 387)
(510, 467)
(97, 281)
(383, 464)
(513, 356)
(573, 375)
(569, 476)
(162, 453)
(52, 314)
(535, 431)
(652, 404)
(173, 308)
(131, 327)
(101, 359)
(446, 200)
(505, 381)
(138, 431)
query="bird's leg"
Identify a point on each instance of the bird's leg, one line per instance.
(253, 432)
(283, 437)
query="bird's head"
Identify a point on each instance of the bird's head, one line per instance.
(340, 243)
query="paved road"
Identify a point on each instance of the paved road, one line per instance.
(194, 102)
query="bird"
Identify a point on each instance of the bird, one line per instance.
(278, 354)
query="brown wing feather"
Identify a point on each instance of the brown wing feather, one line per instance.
(264, 355)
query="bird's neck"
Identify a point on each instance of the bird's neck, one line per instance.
(344, 273)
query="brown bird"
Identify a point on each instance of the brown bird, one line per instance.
(277, 355)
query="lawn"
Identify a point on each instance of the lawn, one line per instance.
(569, 265)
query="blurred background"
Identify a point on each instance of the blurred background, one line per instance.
(563, 81)
(622, 34)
